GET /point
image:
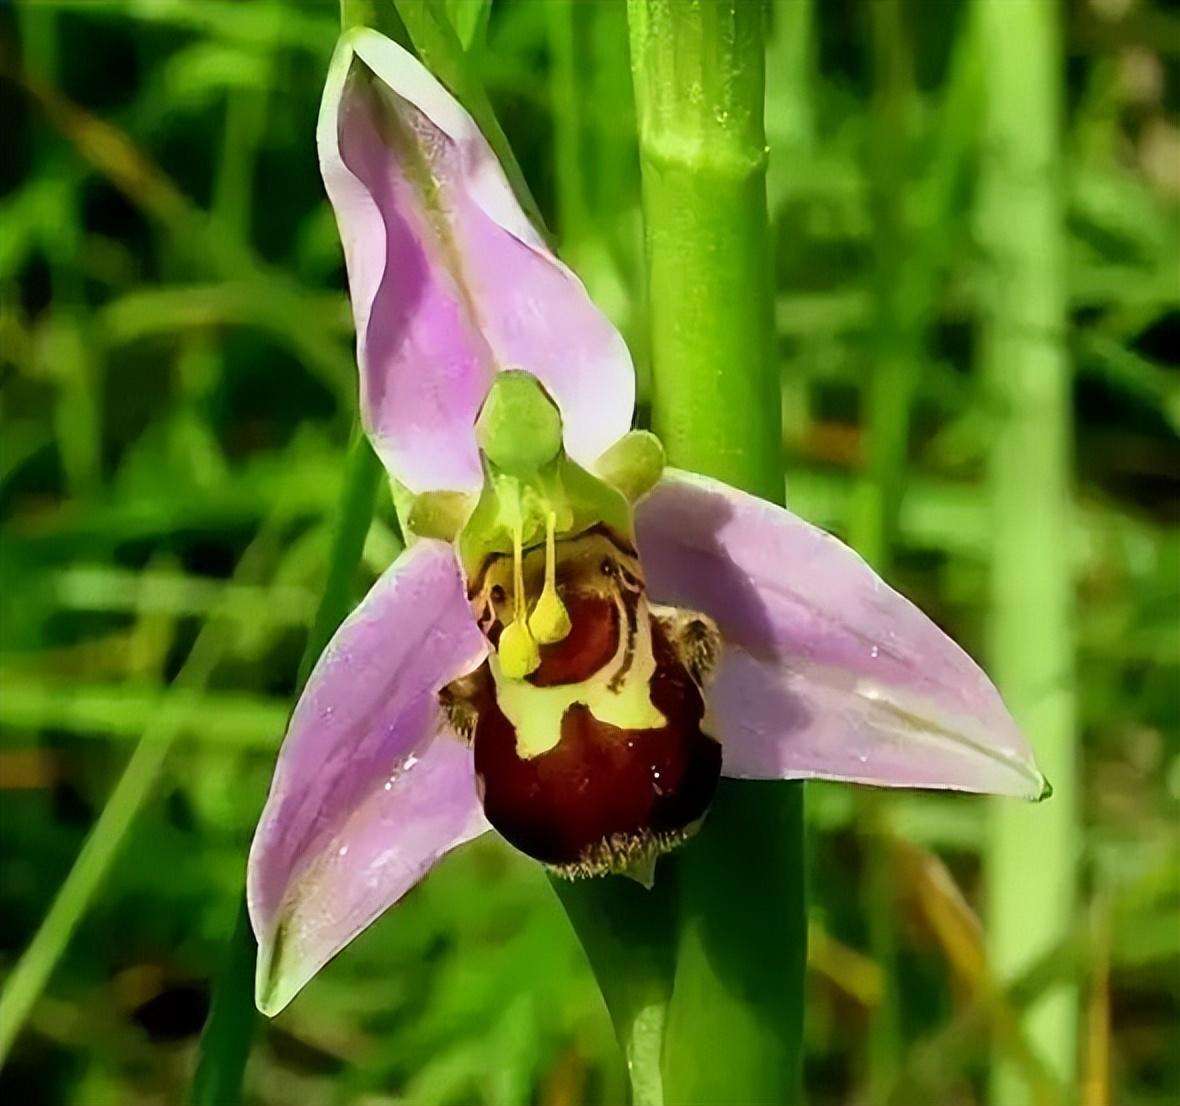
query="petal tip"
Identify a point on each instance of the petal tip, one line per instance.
(275, 983)
(1046, 791)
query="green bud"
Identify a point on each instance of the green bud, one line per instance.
(519, 427)
(633, 464)
(439, 514)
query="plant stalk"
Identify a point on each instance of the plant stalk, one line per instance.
(735, 1018)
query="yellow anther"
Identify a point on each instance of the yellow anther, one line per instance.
(517, 649)
(550, 621)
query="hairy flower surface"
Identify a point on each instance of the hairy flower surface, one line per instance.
(577, 641)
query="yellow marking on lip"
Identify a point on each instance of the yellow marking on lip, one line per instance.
(536, 712)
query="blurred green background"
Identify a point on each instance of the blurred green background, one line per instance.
(177, 385)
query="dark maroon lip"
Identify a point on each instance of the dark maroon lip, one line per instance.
(600, 797)
(600, 788)
(590, 645)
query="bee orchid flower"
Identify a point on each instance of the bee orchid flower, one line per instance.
(577, 640)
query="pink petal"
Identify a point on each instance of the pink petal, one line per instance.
(371, 789)
(449, 280)
(826, 671)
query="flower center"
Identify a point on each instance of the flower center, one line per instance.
(591, 757)
(586, 715)
(603, 661)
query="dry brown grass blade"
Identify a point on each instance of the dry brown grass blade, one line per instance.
(1095, 1081)
(108, 149)
(28, 769)
(959, 933)
(852, 972)
(945, 910)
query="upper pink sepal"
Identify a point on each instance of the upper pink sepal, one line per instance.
(449, 280)
(371, 788)
(826, 671)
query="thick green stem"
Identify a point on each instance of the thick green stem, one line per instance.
(735, 1022)
(699, 79)
(229, 1031)
(735, 1018)
(225, 1044)
(1031, 888)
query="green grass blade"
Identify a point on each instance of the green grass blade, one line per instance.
(28, 978)
(1031, 889)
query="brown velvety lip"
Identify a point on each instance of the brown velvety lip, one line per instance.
(600, 787)
(591, 643)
